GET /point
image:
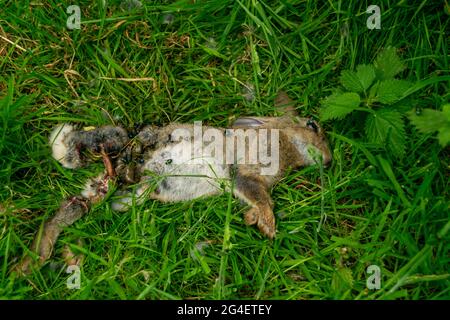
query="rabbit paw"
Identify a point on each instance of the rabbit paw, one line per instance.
(263, 217)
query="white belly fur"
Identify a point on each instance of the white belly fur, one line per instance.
(186, 177)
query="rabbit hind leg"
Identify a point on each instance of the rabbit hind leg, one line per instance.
(253, 190)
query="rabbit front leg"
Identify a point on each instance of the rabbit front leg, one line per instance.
(68, 213)
(253, 189)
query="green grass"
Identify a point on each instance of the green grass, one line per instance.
(380, 211)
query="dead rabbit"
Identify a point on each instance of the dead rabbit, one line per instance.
(169, 164)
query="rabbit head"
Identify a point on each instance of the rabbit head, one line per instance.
(304, 134)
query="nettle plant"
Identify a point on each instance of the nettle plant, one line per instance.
(374, 90)
(430, 121)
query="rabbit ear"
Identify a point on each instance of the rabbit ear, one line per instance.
(285, 104)
(248, 122)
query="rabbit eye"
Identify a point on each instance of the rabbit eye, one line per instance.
(141, 160)
(312, 125)
(169, 161)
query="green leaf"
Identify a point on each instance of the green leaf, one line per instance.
(391, 91)
(444, 136)
(429, 121)
(386, 127)
(366, 75)
(446, 111)
(350, 81)
(373, 91)
(338, 106)
(342, 280)
(360, 80)
(388, 64)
